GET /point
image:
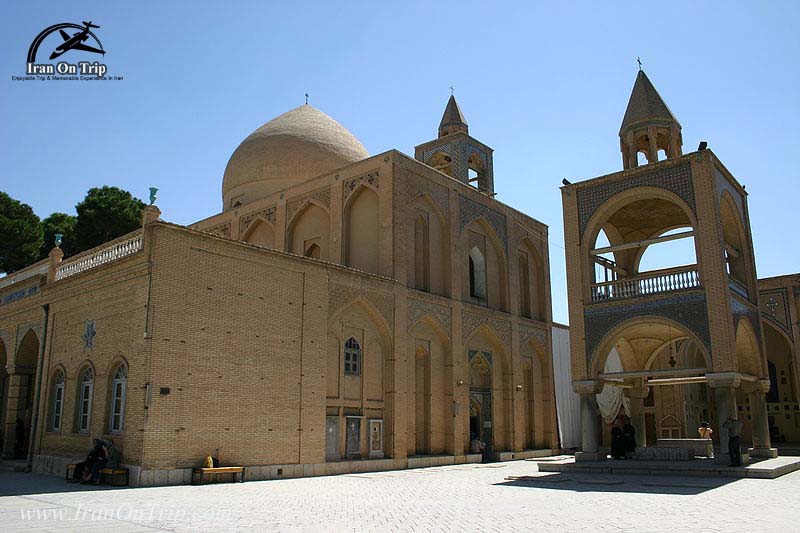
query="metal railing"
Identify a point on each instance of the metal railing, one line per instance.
(655, 282)
(106, 253)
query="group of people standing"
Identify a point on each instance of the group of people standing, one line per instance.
(623, 438)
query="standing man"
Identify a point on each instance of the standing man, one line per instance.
(734, 428)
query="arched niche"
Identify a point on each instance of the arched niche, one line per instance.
(428, 255)
(309, 226)
(362, 230)
(429, 385)
(480, 243)
(260, 233)
(532, 295)
(492, 361)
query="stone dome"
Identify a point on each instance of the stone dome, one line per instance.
(299, 145)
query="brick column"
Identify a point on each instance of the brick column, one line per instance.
(637, 396)
(724, 385)
(652, 152)
(758, 410)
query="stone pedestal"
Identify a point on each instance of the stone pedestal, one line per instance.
(590, 422)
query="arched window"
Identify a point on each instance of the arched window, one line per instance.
(313, 250)
(524, 286)
(421, 254)
(85, 392)
(57, 406)
(118, 386)
(477, 274)
(352, 357)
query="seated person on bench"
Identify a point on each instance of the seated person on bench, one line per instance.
(88, 471)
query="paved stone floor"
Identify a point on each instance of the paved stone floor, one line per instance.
(461, 497)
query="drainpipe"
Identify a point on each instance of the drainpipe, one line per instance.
(37, 394)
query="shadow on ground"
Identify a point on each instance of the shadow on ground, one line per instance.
(23, 484)
(617, 483)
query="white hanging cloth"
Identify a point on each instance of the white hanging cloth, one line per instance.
(612, 401)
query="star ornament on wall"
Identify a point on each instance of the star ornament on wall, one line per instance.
(88, 335)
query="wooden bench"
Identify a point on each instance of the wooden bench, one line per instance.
(117, 477)
(221, 474)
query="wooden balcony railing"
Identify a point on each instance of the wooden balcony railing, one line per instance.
(105, 253)
(655, 282)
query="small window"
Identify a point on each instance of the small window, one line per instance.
(352, 357)
(477, 274)
(57, 409)
(118, 385)
(85, 392)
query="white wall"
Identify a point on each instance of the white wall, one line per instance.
(568, 403)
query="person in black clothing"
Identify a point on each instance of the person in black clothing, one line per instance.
(629, 434)
(88, 471)
(617, 441)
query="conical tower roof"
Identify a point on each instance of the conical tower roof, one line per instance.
(645, 104)
(453, 119)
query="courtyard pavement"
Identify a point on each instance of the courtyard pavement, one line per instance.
(458, 498)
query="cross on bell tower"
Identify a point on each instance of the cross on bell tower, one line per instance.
(456, 153)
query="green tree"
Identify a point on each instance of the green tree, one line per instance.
(65, 225)
(105, 214)
(20, 234)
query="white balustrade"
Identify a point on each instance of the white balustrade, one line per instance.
(106, 253)
(660, 281)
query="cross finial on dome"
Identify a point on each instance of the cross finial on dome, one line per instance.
(306, 98)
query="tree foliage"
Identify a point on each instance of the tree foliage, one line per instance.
(65, 225)
(105, 214)
(20, 234)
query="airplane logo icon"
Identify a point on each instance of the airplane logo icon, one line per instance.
(75, 42)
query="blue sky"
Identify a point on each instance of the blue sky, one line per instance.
(544, 84)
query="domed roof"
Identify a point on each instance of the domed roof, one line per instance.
(290, 149)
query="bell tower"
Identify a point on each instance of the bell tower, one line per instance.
(458, 154)
(684, 342)
(648, 126)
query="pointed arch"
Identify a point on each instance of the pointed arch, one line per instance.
(479, 235)
(362, 230)
(667, 328)
(374, 386)
(531, 281)
(261, 233)
(737, 250)
(486, 342)
(442, 162)
(428, 388)
(310, 225)
(56, 393)
(27, 351)
(84, 396)
(117, 395)
(748, 353)
(428, 263)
